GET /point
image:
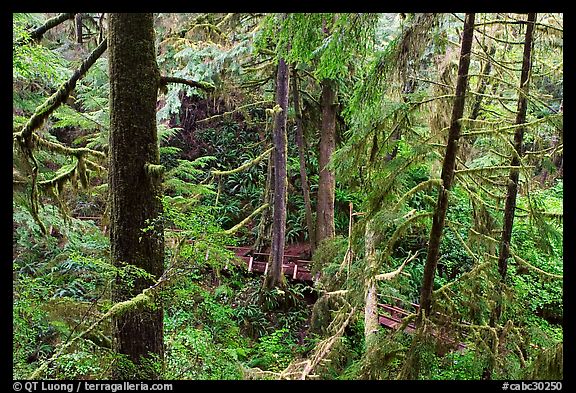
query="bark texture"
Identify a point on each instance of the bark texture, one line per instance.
(275, 276)
(371, 301)
(327, 180)
(136, 232)
(302, 158)
(448, 168)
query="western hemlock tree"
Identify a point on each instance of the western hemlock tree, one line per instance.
(275, 276)
(512, 189)
(512, 186)
(302, 158)
(136, 231)
(448, 167)
(327, 180)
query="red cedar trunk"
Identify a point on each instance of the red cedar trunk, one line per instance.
(448, 168)
(302, 157)
(327, 181)
(275, 276)
(134, 194)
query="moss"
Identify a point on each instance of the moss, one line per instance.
(154, 171)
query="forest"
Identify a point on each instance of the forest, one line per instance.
(287, 196)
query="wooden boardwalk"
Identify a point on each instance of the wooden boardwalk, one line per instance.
(293, 266)
(298, 269)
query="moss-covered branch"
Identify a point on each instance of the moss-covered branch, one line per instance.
(468, 250)
(154, 170)
(38, 32)
(143, 299)
(391, 275)
(465, 276)
(65, 150)
(236, 227)
(419, 187)
(400, 230)
(489, 168)
(206, 86)
(59, 180)
(324, 347)
(55, 100)
(539, 271)
(235, 110)
(245, 165)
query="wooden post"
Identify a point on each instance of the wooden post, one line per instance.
(266, 269)
(295, 271)
(250, 263)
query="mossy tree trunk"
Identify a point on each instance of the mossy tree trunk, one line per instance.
(512, 187)
(448, 168)
(371, 324)
(302, 158)
(275, 277)
(136, 231)
(327, 180)
(265, 226)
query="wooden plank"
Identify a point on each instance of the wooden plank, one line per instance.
(393, 309)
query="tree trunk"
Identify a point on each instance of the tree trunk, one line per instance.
(302, 157)
(275, 276)
(371, 300)
(510, 206)
(448, 168)
(512, 188)
(136, 231)
(265, 226)
(327, 181)
(78, 28)
(482, 83)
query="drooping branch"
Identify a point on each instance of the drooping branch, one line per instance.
(245, 165)
(56, 99)
(532, 267)
(235, 110)
(325, 346)
(143, 299)
(420, 186)
(236, 227)
(206, 86)
(65, 150)
(391, 275)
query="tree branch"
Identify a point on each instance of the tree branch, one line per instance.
(391, 275)
(245, 165)
(236, 227)
(164, 80)
(38, 33)
(55, 100)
